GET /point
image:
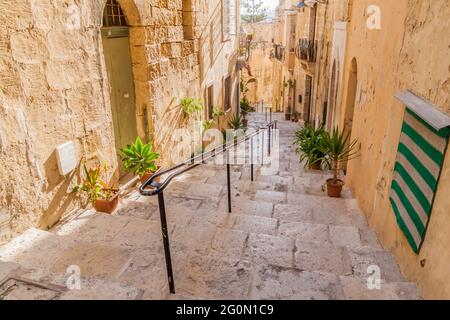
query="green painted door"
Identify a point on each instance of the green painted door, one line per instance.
(116, 46)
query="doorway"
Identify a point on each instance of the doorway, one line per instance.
(116, 48)
(308, 98)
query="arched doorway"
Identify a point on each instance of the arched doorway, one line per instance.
(116, 48)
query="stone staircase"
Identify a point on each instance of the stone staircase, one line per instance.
(284, 240)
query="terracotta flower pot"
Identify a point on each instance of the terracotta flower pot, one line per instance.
(334, 187)
(148, 175)
(316, 166)
(107, 206)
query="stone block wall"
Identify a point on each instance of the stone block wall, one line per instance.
(409, 52)
(54, 88)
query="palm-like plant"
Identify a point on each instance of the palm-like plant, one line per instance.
(139, 158)
(235, 122)
(338, 148)
(308, 140)
(217, 113)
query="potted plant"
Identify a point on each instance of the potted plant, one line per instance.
(217, 114)
(245, 110)
(140, 159)
(296, 116)
(338, 149)
(206, 126)
(235, 123)
(288, 114)
(103, 198)
(191, 106)
(308, 140)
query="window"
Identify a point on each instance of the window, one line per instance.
(113, 15)
(210, 101)
(229, 19)
(227, 93)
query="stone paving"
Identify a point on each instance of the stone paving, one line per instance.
(285, 239)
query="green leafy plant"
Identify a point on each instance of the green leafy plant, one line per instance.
(191, 106)
(245, 107)
(235, 122)
(217, 114)
(93, 185)
(139, 158)
(308, 141)
(338, 148)
(208, 124)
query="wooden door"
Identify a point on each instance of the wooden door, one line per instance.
(116, 46)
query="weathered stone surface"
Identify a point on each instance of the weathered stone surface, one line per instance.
(253, 224)
(346, 236)
(270, 196)
(229, 243)
(94, 289)
(94, 260)
(18, 290)
(292, 213)
(322, 257)
(264, 249)
(283, 283)
(357, 289)
(303, 231)
(216, 278)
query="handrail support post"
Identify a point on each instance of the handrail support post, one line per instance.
(165, 235)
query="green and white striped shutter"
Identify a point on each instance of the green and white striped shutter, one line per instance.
(420, 158)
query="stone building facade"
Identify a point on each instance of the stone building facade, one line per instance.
(261, 91)
(365, 54)
(98, 73)
(406, 49)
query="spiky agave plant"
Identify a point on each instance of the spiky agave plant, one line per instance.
(235, 122)
(338, 148)
(140, 158)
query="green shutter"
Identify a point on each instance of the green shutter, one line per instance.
(420, 158)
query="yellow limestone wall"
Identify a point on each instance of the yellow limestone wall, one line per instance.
(54, 88)
(260, 62)
(410, 52)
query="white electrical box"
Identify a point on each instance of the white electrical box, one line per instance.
(67, 161)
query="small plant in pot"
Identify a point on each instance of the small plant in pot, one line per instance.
(235, 123)
(103, 198)
(140, 159)
(217, 114)
(308, 140)
(191, 106)
(338, 149)
(245, 110)
(207, 125)
(288, 114)
(295, 116)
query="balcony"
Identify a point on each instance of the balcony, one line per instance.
(291, 60)
(306, 51)
(278, 52)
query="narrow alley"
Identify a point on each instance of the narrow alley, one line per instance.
(283, 240)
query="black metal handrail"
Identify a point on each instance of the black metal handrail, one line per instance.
(157, 188)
